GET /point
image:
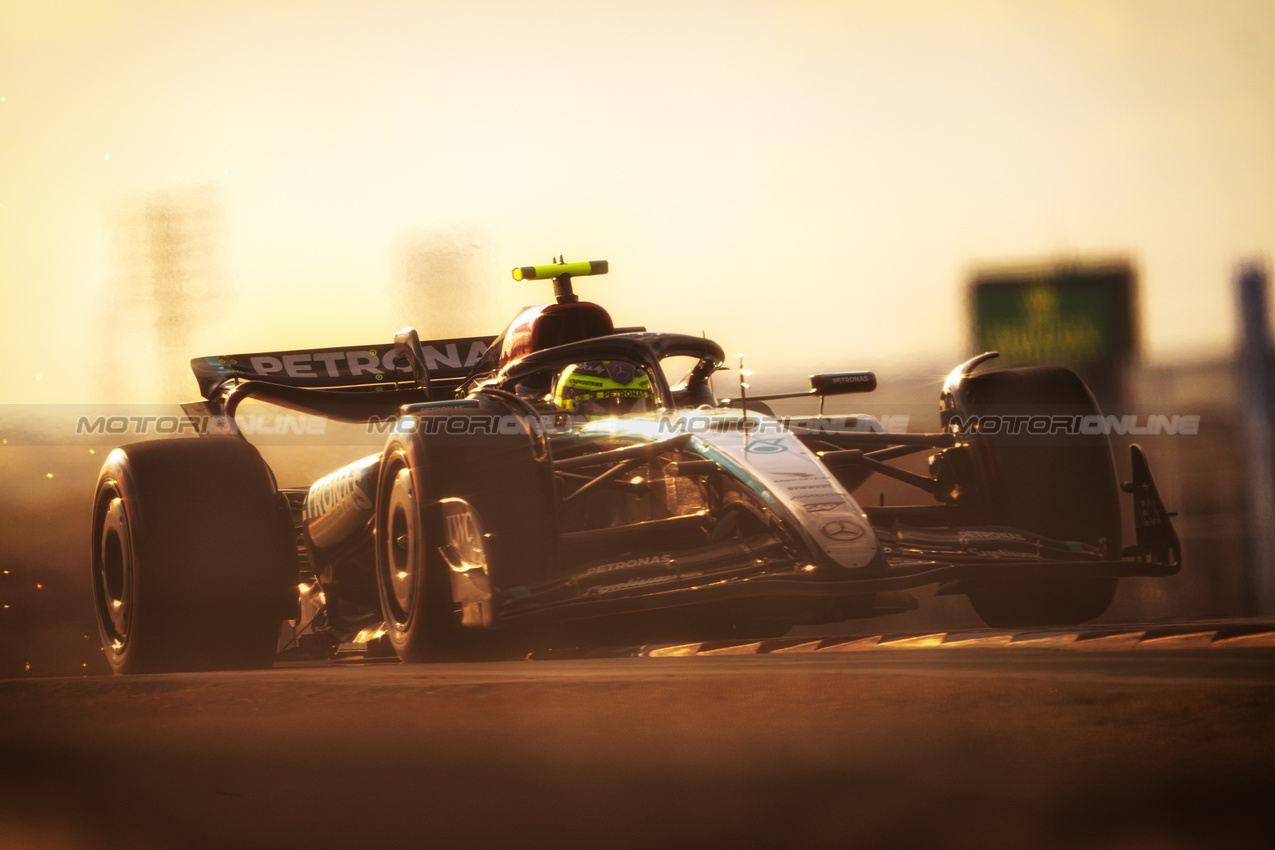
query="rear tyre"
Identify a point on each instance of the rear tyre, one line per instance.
(193, 560)
(1059, 486)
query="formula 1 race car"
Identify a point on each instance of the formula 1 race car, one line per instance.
(554, 480)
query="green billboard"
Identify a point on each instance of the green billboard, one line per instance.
(1079, 315)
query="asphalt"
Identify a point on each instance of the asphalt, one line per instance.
(919, 746)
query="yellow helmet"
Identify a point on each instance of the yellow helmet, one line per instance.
(600, 388)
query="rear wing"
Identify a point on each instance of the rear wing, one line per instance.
(448, 362)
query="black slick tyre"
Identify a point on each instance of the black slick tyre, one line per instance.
(509, 490)
(1060, 486)
(411, 575)
(193, 561)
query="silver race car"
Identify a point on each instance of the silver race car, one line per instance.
(553, 483)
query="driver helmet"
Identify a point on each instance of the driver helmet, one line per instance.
(600, 388)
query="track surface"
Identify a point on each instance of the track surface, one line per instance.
(951, 746)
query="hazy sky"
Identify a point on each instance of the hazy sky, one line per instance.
(810, 183)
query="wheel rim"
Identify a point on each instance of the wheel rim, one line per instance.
(401, 549)
(114, 567)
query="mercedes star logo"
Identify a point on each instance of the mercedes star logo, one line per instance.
(842, 530)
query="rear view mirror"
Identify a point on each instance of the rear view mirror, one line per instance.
(842, 383)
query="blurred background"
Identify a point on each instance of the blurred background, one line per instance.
(818, 185)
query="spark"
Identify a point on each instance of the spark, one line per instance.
(48, 475)
(108, 156)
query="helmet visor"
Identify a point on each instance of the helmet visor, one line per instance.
(614, 402)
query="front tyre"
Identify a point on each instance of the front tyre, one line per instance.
(411, 575)
(1059, 486)
(449, 466)
(193, 558)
